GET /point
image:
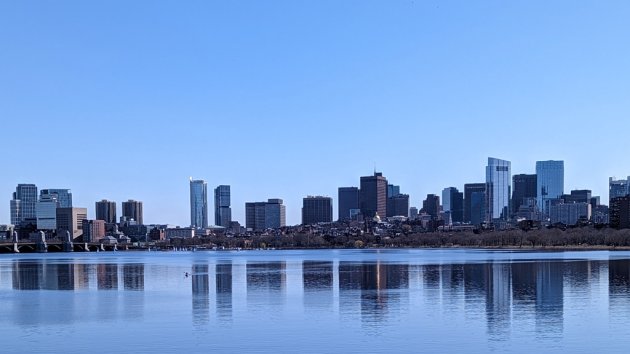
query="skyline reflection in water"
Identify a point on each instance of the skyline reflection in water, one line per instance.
(496, 301)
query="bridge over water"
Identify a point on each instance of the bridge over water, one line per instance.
(56, 246)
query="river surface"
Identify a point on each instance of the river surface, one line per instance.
(316, 301)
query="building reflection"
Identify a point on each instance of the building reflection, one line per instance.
(618, 277)
(431, 276)
(375, 284)
(133, 282)
(540, 285)
(41, 275)
(223, 273)
(317, 282)
(474, 286)
(81, 276)
(490, 283)
(107, 276)
(549, 298)
(498, 299)
(452, 277)
(524, 283)
(59, 276)
(266, 277)
(30, 275)
(27, 275)
(200, 294)
(133, 277)
(577, 274)
(618, 287)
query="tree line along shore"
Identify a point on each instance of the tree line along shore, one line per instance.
(554, 238)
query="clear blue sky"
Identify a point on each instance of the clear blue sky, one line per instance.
(127, 99)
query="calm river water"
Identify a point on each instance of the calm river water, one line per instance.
(331, 301)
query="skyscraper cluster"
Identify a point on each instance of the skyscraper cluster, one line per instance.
(501, 200)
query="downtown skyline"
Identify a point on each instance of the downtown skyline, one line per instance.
(283, 100)
(295, 207)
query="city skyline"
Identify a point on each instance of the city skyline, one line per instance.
(451, 84)
(414, 200)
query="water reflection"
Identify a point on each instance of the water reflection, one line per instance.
(373, 284)
(502, 299)
(133, 277)
(82, 276)
(200, 294)
(619, 286)
(266, 277)
(549, 298)
(317, 281)
(618, 277)
(223, 273)
(107, 276)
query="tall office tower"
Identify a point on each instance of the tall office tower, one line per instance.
(618, 188)
(132, 209)
(373, 195)
(453, 202)
(550, 183)
(316, 209)
(275, 214)
(106, 211)
(469, 189)
(255, 215)
(525, 187)
(348, 199)
(64, 196)
(22, 205)
(392, 190)
(222, 206)
(46, 209)
(198, 204)
(398, 205)
(478, 209)
(265, 215)
(71, 219)
(431, 205)
(620, 212)
(499, 179)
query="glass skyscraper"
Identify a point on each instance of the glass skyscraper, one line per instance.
(23, 203)
(499, 184)
(64, 196)
(222, 209)
(618, 188)
(198, 203)
(550, 183)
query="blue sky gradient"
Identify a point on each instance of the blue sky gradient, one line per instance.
(120, 99)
